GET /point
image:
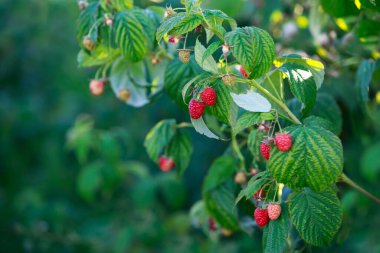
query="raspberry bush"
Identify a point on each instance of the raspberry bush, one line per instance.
(248, 96)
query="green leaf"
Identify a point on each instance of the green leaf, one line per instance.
(321, 122)
(146, 19)
(370, 163)
(208, 64)
(367, 28)
(339, 8)
(201, 127)
(158, 137)
(302, 84)
(99, 56)
(86, 20)
(119, 5)
(252, 102)
(326, 107)
(219, 17)
(181, 149)
(315, 159)
(253, 48)
(246, 120)
(253, 185)
(220, 171)
(224, 106)
(363, 80)
(89, 180)
(210, 50)
(187, 24)
(220, 204)
(177, 75)
(168, 24)
(130, 36)
(315, 67)
(254, 140)
(131, 76)
(316, 216)
(276, 233)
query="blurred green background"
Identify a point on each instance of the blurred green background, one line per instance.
(115, 199)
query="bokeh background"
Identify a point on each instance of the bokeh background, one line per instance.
(61, 192)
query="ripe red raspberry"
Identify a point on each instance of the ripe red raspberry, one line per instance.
(96, 87)
(172, 40)
(261, 217)
(166, 163)
(208, 96)
(274, 211)
(265, 149)
(259, 194)
(196, 109)
(283, 141)
(242, 71)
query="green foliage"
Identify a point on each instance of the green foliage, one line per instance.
(275, 238)
(130, 35)
(253, 185)
(305, 164)
(159, 137)
(253, 48)
(316, 216)
(181, 149)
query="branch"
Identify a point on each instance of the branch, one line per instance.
(344, 178)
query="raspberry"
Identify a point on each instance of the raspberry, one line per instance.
(124, 95)
(88, 43)
(242, 71)
(184, 55)
(172, 40)
(261, 217)
(211, 224)
(96, 87)
(283, 141)
(274, 211)
(208, 96)
(196, 109)
(240, 178)
(259, 194)
(229, 79)
(265, 149)
(165, 163)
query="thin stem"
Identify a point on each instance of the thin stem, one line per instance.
(236, 149)
(272, 84)
(347, 180)
(283, 106)
(184, 124)
(184, 43)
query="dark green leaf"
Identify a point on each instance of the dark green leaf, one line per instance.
(246, 120)
(276, 233)
(208, 63)
(316, 216)
(168, 24)
(339, 8)
(220, 171)
(158, 137)
(130, 36)
(181, 149)
(89, 180)
(363, 80)
(302, 84)
(187, 24)
(210, 50)
(253, 48)
(253, 185)
(326, 107)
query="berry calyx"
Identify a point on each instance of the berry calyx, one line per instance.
(169, 12)
(184, 55)
(274, 211)
(196, 109)
(155, 60)
(225, 49)
(108, 21)
(124, 95)
(166, 163)
(82, 4)
(283, 141)
(240, 178)
(88, 43)
(229, 79)
(261, 217)
(265, 149)
(208, 96)
(96, 87)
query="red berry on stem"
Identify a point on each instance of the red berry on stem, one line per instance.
(166, 163)
(208, 96)
(274, 211)
(242, 71)
(259, 194)
(283, 141)
(261, 217)
(265, 149)
(211, 224)
(96, 87)
(196, 109)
